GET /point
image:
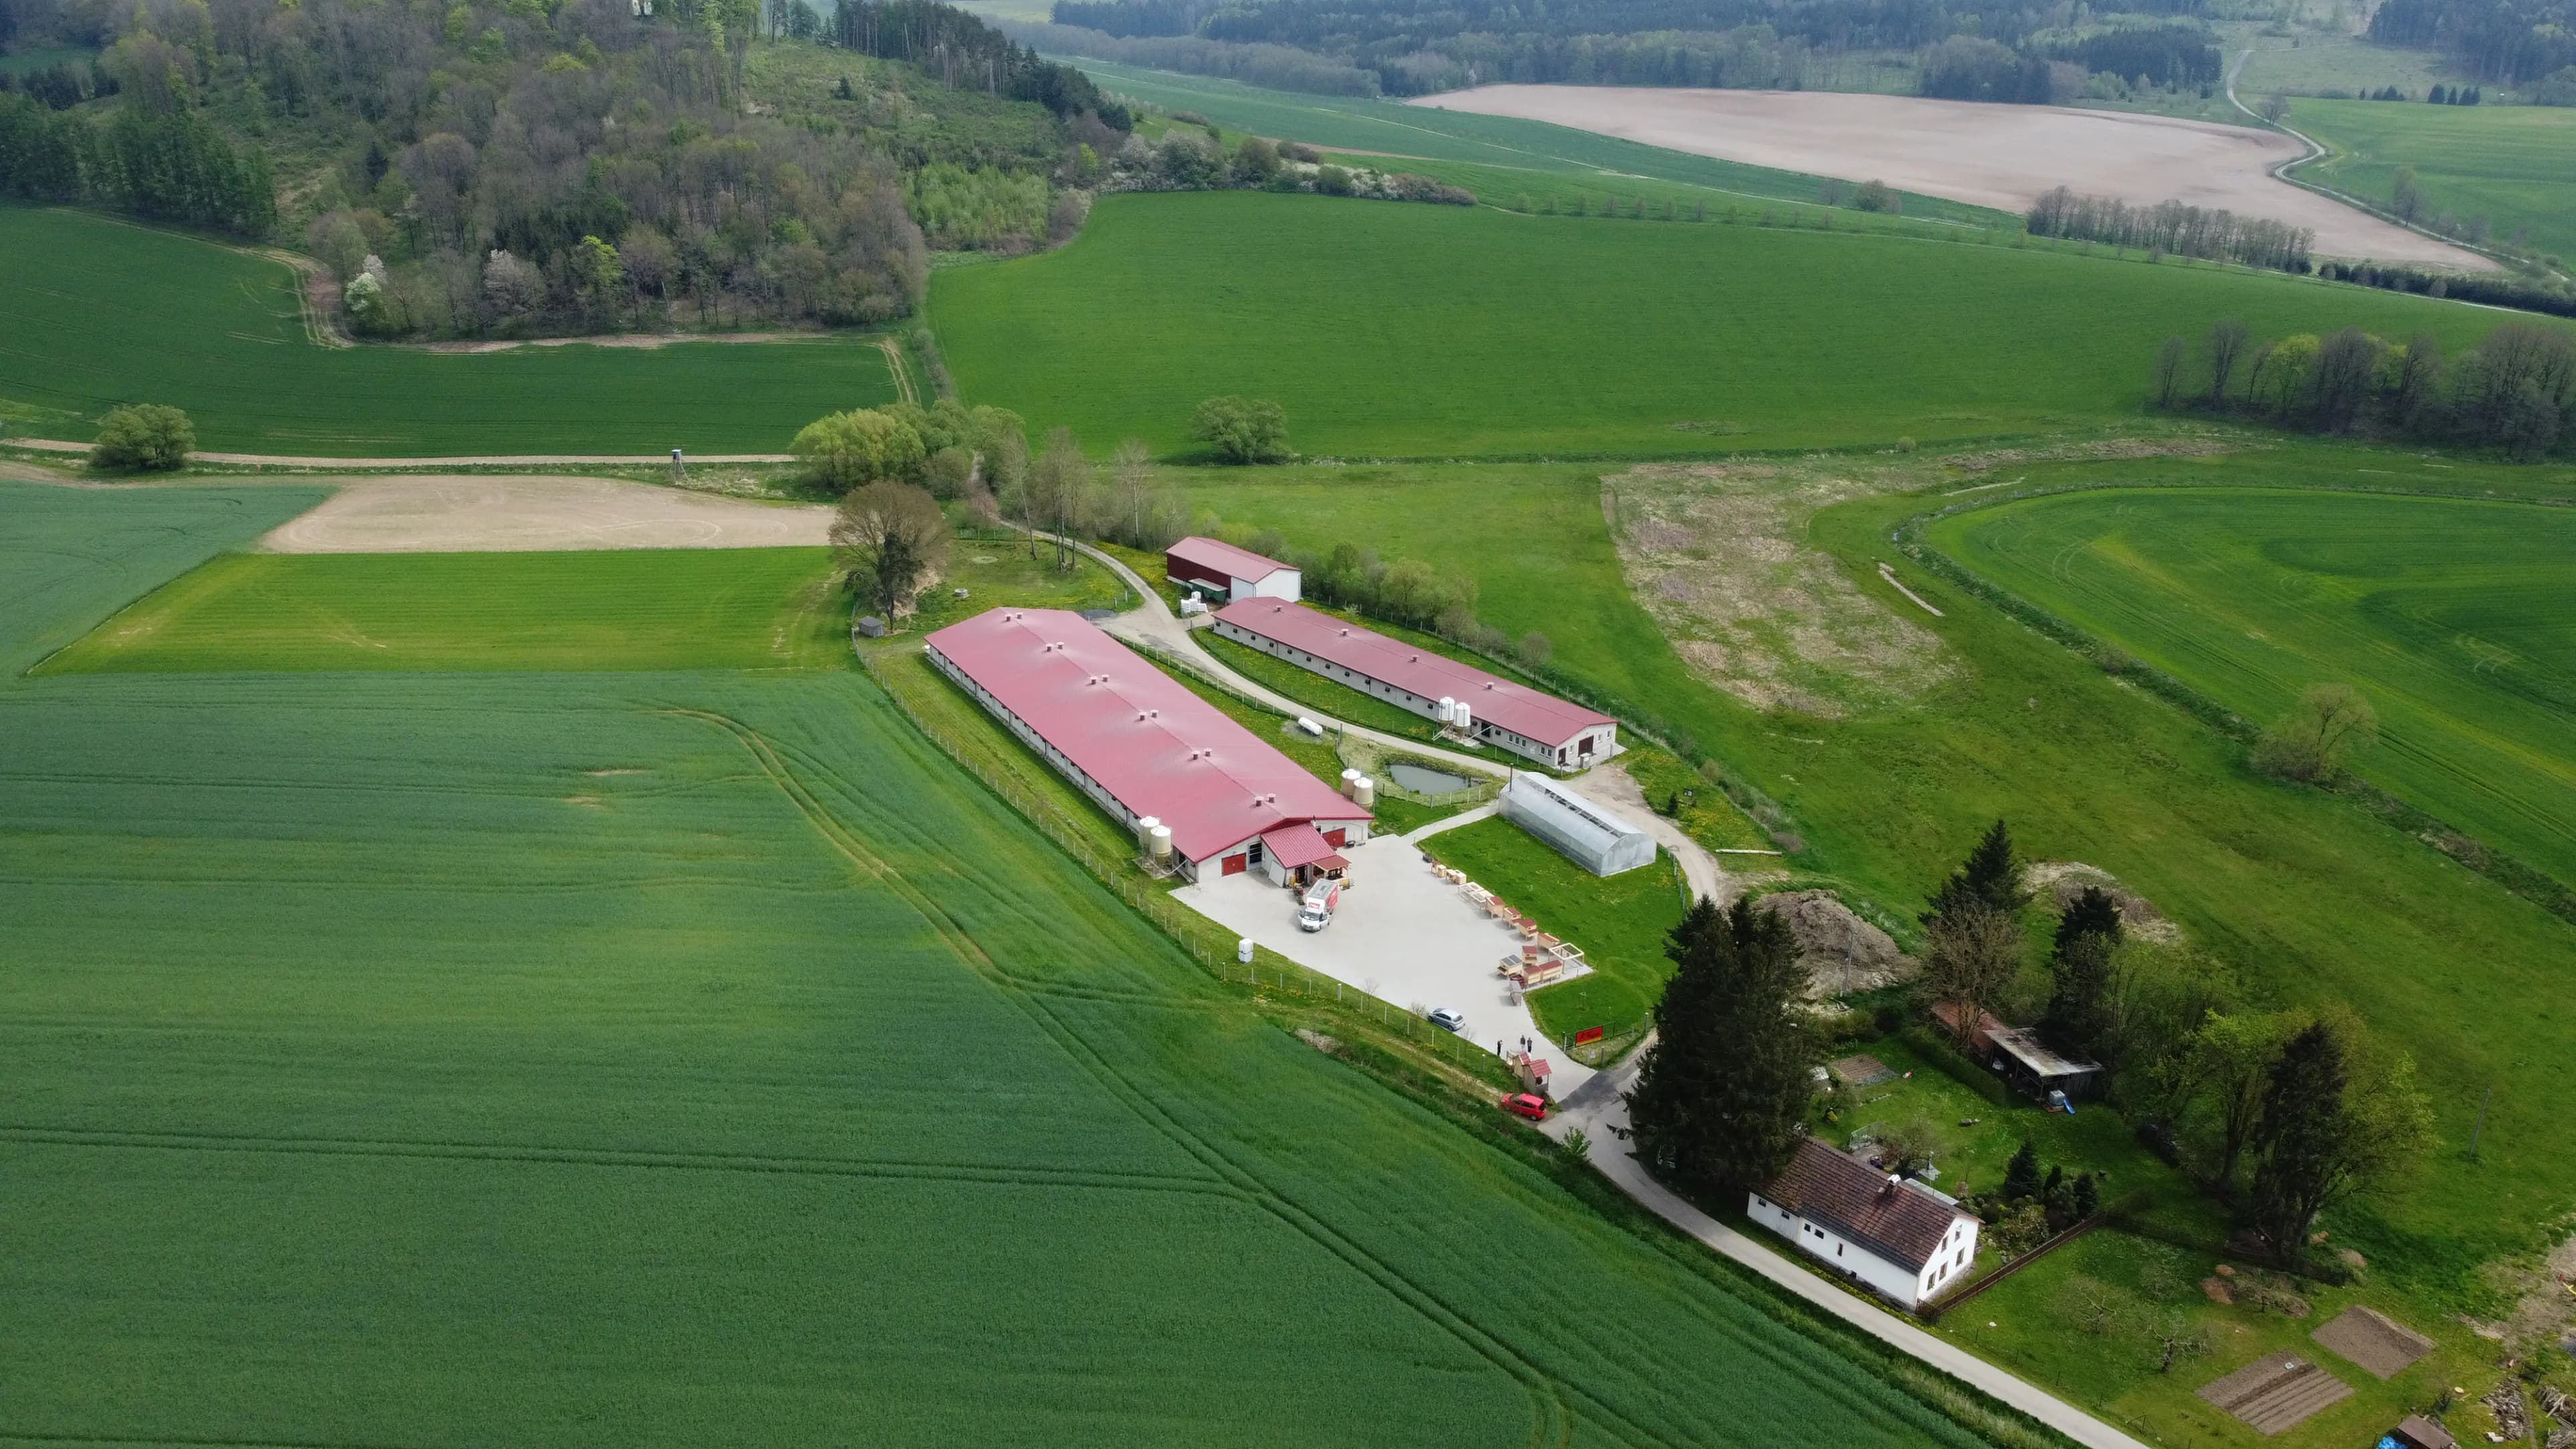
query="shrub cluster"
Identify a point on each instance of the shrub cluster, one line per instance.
(1184, 160)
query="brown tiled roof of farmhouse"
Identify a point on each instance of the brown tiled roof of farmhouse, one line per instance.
(1851, 1198)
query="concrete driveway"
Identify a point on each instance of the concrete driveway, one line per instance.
(1401, 934)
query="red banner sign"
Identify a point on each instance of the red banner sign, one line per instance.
(1587, 1036)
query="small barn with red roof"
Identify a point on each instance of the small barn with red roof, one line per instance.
(1219, 569)
(1147, 749)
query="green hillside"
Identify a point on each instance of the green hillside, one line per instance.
(1418, 330)
(1498, 145)
(2513, 165)
(2450, 616)
(99, 313)
(700, 1059)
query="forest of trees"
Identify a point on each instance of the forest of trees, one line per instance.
(1411, 47)
(2516, 42)
(530, 166)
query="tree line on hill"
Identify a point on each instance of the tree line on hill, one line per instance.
(529, 166)
(2172, 227)
(1182, 159)
(2282, 1112)
(2512, 392)
(2000, 49)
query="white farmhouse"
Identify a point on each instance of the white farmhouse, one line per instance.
(1900, 1239)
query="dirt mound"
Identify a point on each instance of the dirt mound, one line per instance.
(1841, 951)
(2377, 1342)
(2059, 882)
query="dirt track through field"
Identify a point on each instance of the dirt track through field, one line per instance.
(510, 515)
(1986, 155)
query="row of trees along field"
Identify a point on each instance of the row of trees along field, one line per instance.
(548, 165)
(2515, 391)
(2000, 50)
(2172, 227)
(2280, 1113)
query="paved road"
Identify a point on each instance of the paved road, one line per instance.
(1600, 1108)
(492, 460)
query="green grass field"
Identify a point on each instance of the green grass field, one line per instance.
(1620, 921)
(1502, 146)
(613, 609)
(699, 1058)
(2313, 900)
(2452, 617)
(2513, 165)
(1410, 330)
(98, 312)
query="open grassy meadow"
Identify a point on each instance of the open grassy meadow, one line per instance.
(2513, 165)
(2310, 898)
(1394, 330)
(2457, 619)
(100, 312)
(617, 608)
(697, 1057)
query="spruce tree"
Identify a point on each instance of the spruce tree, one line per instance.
(2088, 1196)
(1990, 877)
(2298, 1144)
(1722, 1102)
(2021, 1175)
(2092, 911)
(2082, 998)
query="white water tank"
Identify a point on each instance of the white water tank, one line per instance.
(1364, 792)
(1448, 709)
(1350, 780)
(1159, 842)
(1466, 717)
(1308, 726)
(1243, 951)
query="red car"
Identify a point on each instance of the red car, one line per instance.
(1523, 1104)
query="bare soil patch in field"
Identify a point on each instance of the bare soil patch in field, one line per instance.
(1986, 155)
(504, 515)
(1717, 554)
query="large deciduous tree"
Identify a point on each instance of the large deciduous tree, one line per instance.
(842, 451)
(1242, 430)
(2314, 742)
(1721, 1101)
(2338, 1117)
(893, 540)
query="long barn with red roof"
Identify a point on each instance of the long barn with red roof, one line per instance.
(1146, 748)
(1496, 710)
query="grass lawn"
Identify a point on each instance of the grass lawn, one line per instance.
(1393, 330)
(2513, 165)
(995, 571)
(100, 312)
(1620, 921)
(2451, 616)
(554, 1047)
(611, 609)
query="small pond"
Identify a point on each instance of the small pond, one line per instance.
(1424, 781)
